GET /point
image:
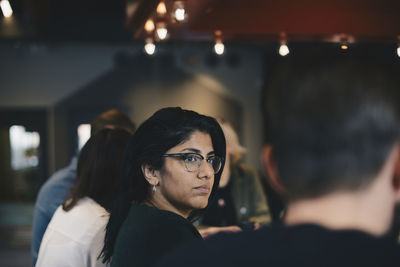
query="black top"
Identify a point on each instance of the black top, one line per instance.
(302, 245)
(221, 211)
(148, 233)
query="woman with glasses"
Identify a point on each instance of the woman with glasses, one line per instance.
(171, 168)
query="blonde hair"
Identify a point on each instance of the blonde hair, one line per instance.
(236, 150)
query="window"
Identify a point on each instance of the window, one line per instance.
(24, 148)
(83, 135)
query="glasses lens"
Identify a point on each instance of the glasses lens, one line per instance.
(192, 162)
(217, 163)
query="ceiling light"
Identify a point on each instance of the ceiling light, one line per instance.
(344, 42)
(161, 8)
(162, 31)
(180, 14)
(179, 11)
(219, 47)
(398, 50)
(6, 8)
(149, 47)
(344, 46)
(149, 26)
(284, 49)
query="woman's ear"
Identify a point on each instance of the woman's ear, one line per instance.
(150, 174)
(271, 169)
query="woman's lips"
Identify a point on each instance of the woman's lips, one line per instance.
(205, 189)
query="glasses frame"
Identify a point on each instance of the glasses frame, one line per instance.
(183, 155)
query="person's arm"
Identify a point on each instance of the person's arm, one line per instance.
(40, 221)
(95, 249)
(56, 250)
(51, 195)
(261, 214)
(208, 230)
(212, 230)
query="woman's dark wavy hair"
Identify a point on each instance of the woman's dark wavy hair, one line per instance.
(99, 168)
(167, 128)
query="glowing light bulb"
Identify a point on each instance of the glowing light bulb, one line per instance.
(149, 26)
(161, 8)
(398, 50)
(344, 46)
(6, 8)
(219, 47)
(162, 31)
(179, 11)
(284, 49)
(180, 14)
(149, 47)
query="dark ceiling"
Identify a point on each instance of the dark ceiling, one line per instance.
(238, 20)
(270, 20)
(61, 20)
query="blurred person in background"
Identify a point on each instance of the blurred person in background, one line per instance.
(55, 190)
(171, 168)
(240, 202)
(75, 234)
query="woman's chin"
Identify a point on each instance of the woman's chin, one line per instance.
(197, 203)
(202, 205)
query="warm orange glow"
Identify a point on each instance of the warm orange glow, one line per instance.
(344, 47)
(161, 8)
(149, 26)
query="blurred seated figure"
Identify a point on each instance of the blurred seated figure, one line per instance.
(55, 190)
(240, 202)
(75, 234)
(333, 153)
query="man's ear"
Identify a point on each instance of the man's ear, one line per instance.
(150, 174)
(268, 160)
(396, 172)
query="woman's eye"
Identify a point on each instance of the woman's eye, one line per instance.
(210, 160)
(191, 158)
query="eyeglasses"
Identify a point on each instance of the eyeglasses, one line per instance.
(193, 161)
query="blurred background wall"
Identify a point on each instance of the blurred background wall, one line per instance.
(72, 83)
(51, 89)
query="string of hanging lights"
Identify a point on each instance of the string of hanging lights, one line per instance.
(157, 30)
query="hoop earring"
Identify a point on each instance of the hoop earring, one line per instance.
(154, 188)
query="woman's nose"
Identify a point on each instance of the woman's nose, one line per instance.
(206, 170)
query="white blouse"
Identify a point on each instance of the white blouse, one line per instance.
(74, 238)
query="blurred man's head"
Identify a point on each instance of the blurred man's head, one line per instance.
(112, 118)
(332, 122)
